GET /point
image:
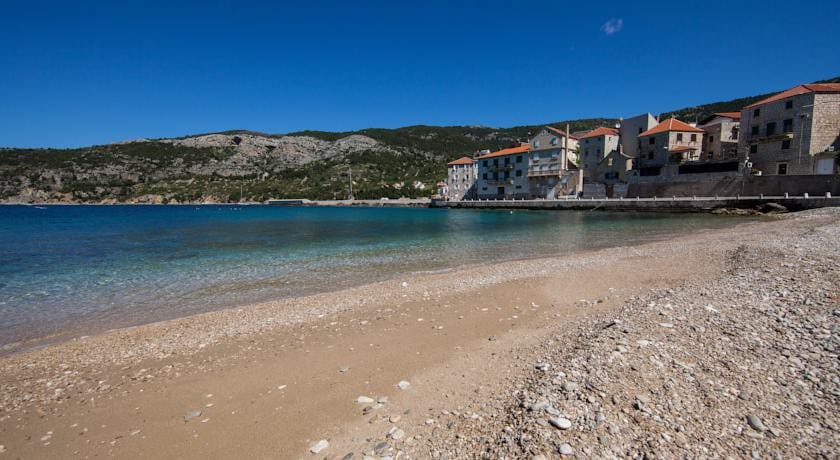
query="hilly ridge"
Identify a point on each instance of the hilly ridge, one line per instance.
(244, 165)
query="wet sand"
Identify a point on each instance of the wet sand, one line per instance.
(270, 380)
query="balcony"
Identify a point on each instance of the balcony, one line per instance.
(544, 172)
(777, 137)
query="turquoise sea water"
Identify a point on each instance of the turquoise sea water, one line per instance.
(69, 270)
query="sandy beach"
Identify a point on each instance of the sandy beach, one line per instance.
(515, 359)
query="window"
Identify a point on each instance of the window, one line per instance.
(536, 144)
(519, 159)
(693, 138)
(756, 112)
(652, 141)
(484, 177)
(771, 128)
(787, 125)
(789, 104)
(518, 186)
(554, 141)
(781, 169)
(754, 131)
(496, 162)
(650, 155)
(507, 175)
(711, 138)
(597, 151)
(754, 148)
(640, 131)
(518, 173)
(786, 144)
(507, 160)
(483, 188)
(485, 162)
(679, 137)
(711, 154)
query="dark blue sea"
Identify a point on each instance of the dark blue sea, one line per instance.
(73, 270)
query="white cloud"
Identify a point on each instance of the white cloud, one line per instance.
(613, 26)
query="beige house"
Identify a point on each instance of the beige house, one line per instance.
(594, 147)
(460, 179)
(668, 144)
(794, 132)
(552, 168)
(503, 174)
(720, 136)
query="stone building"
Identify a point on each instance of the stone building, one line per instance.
(551, 164)
(720, 138)
(629, 131)
(666, 146)
(503, 174)
(460, 179)
(795, 132)
(594, 147)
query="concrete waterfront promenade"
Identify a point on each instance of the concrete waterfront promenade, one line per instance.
(660, 204)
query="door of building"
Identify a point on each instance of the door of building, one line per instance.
(825, 166)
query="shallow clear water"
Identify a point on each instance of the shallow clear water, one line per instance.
(78, 269)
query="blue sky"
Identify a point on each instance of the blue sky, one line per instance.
(80, 73)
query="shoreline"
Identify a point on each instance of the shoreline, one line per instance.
(512, 302)
(312, 298)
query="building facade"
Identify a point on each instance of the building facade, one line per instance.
(460, 179)
(503, 174)
(629, 131)
(795, 132)
(668, 145)
(551, 163)
(594, 147)
(720, 136)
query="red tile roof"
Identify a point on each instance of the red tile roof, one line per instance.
(560, 132)
(461, 161)
(732, 115)
(600, 131)
(797, 90)
(510, 151)
(671, 124)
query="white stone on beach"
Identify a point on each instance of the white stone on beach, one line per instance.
(560, 423)
(403, 385)
(566, 449)
(404, 284)
(319, 446)
(192, 415)
(364, 400)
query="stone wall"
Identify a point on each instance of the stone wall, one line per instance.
(733, 185)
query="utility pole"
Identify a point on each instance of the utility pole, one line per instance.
(351, 181)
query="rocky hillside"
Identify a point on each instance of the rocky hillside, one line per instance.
(244, 165)
(234, 165)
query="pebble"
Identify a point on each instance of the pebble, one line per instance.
(566, 449)
(561, 423)
(756, 423)
(569, 386)
(364, 400)
(319, 446)
(192, 415)
(403, 385)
